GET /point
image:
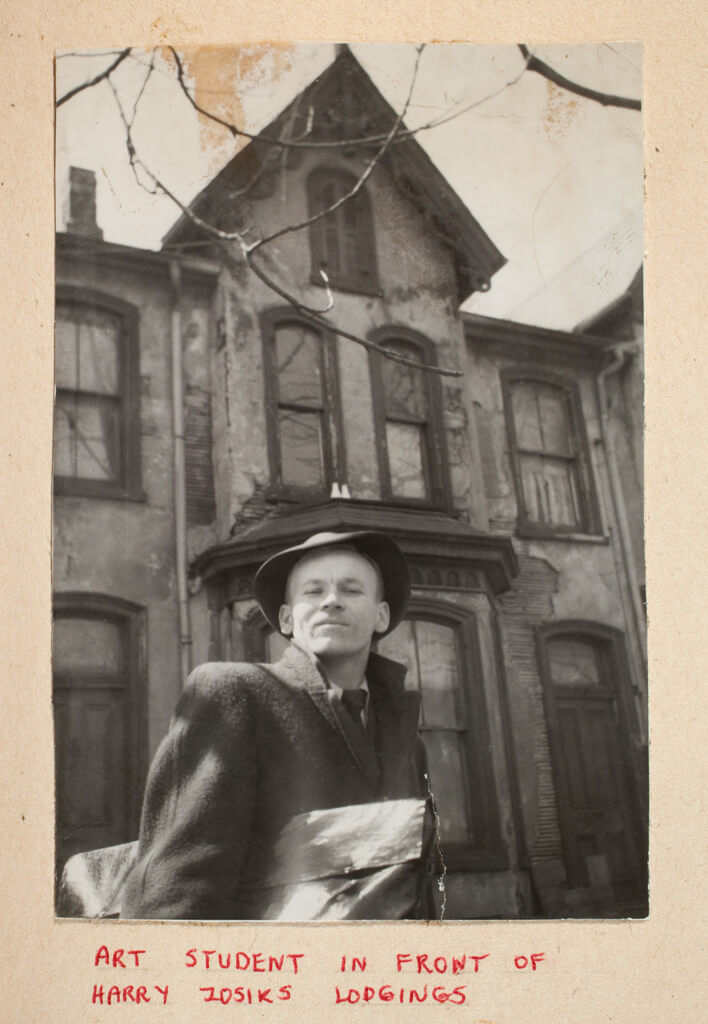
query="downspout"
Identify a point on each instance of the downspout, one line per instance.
(620, 353)
(180, 491)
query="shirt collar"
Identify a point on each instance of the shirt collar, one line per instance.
(337, 690)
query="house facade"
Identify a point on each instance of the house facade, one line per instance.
(204, 422)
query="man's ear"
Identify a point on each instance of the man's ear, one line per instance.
(285, 619)
(383, 617)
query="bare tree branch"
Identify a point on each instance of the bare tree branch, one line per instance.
(365, 140)
(606, 99)
(94, 81)
(383, 141)
(151, 68)
(313, 316)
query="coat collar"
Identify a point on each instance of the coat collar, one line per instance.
(296, 668)
(395, 710)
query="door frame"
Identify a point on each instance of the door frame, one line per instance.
(133, 618)
(611, 643)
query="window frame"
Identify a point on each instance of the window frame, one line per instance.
(357, 283)
(587, 495)
(434, 454)
(128, 485)
(333, 450)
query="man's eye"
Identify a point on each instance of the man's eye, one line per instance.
(310, 591)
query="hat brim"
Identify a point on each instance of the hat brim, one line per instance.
(272, 577)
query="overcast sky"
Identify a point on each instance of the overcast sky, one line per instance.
(555, 180)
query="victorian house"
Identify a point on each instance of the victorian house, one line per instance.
(202, 424)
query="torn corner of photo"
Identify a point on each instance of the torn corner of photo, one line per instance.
(355, 862)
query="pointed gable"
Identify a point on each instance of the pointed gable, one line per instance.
(343, 103)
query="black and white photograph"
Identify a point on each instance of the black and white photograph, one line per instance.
(349, 595)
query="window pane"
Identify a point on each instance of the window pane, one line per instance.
(437, 657)
(405, 460)
(403, 385)
(299, 369)
(550, 492)
(447, 773)
(526, 417)
(300, 436)
(87, 350)
(87, 645)
(64, 436)
(332, 262)
(429, 650)
(400, 646)
(554, 421)
(574, 663)
(86, 437)
(66, 352)
(276, 644)
(98, 354)
(351, 228)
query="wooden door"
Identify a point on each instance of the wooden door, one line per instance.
(602, 833)
(96, 748)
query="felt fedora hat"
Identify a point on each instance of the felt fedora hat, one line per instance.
(272, 577)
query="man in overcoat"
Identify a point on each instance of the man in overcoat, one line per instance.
(296, 790)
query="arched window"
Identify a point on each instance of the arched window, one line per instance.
(305, 437)
(342, 243)
(549, 455)
(96, 420)
(594, 756)
(410, 439)
(438, 645)
(99, 701)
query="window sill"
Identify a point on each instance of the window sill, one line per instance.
(67, 487)
(463, 857)
(347, 287)
(419, 504)
(306, 496)
(533, 533)
(282, 494)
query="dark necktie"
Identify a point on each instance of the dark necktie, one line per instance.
(354, 701)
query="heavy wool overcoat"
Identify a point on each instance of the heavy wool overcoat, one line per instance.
(249, 748)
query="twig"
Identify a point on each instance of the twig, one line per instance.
(150, 70)
(605, 98)
(94, 81)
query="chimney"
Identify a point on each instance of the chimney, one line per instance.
(82, 204)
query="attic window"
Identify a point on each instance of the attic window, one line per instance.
(342, 243)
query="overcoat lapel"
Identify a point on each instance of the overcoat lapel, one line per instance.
(296, 669)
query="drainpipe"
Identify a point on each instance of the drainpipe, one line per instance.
(180, 492)
(621, 352)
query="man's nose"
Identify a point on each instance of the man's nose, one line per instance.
(331, 598)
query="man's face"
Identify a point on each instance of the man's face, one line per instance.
(334, 604)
